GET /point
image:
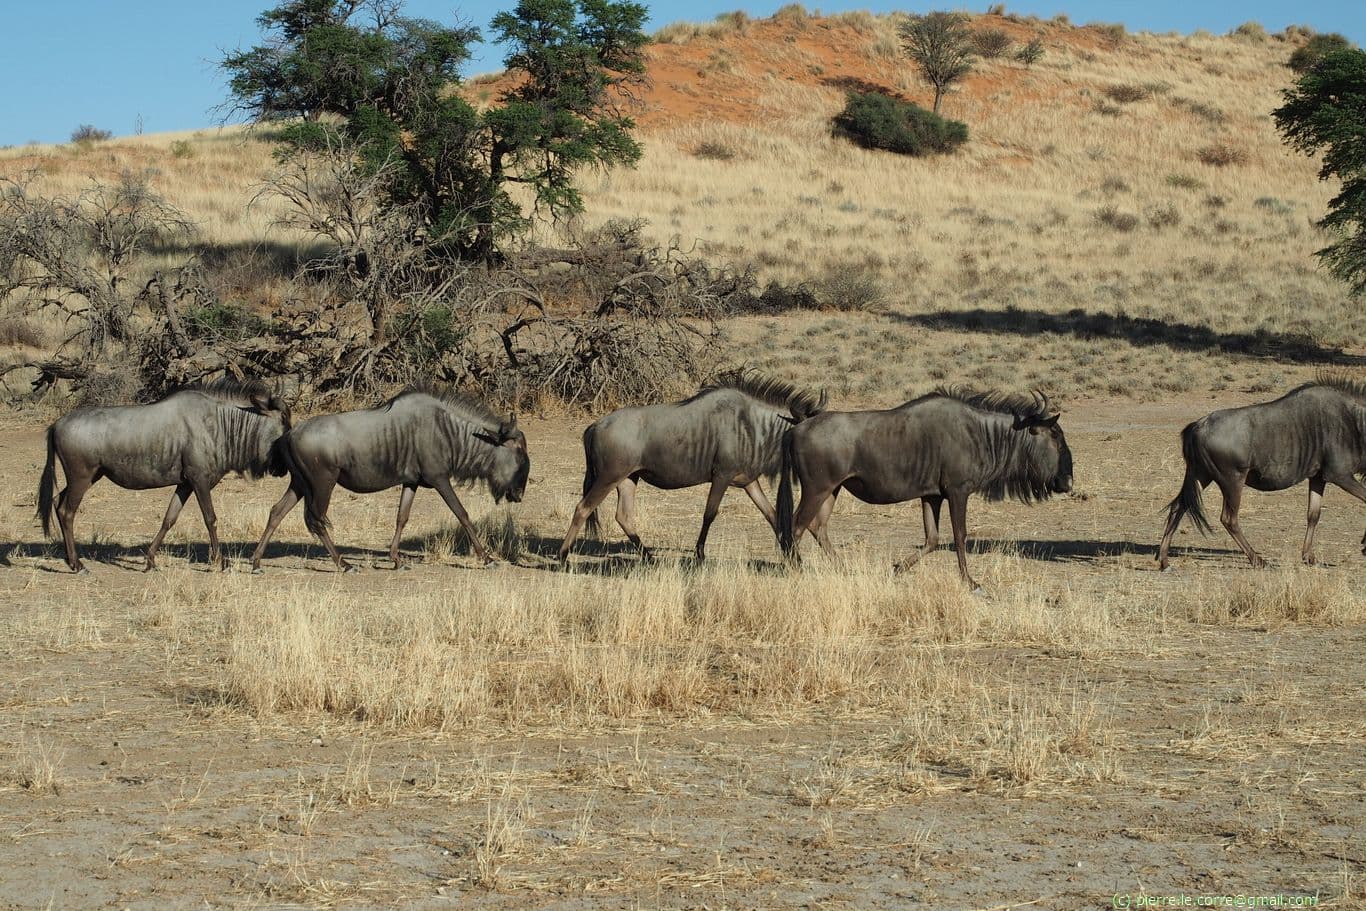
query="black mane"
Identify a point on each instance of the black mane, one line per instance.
(226, 389)
(1343, 381)
(1012, 403)
(802, 403)
(465, 405)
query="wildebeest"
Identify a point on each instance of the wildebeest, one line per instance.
(727, 435)
(192, 438)
(1315, 432)
(419, 438)
(942, 446)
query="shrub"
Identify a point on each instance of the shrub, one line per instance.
(877, 121)
(1206, 112)
(1221, 155)
(223, 319)
(1184, 182)
(714, 151)
(19, 332)
(182, 149)
(1030, 53)
(1113, 184)
(1319, 46)
(1127, 94)
(792, 13)
(1250, 31)
(1272, 204)
(991, 43)
(851, 287)
(736, 20)
(87, 133)
(1113, 32)
(1114, 218)
(1164, 216)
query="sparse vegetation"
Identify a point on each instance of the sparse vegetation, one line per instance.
(1307, 56)
(991, 43)
(940, 45)
(1221, 155)
(1031, 52)
(86, 133)
(1127, 93)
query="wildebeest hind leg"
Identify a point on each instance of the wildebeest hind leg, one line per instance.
(1356, 489)
(447, 492)
(1316, 486)
(714, 497)
(67, 503)
(405, 506)
(178, 498)
(277, 515)
(202, 493)
(929, 508)
(812, 502)
(755, 492)
(626, 514)
(602, 486)
(1233, 499)
(317, 498)
(820, 526)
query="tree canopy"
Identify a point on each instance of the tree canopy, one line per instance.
(360, 75)
(1325, 111)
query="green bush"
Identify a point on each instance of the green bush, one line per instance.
(1030, 53)
(990, 43)
(877, 121)
(224, 320)
(1318, 47)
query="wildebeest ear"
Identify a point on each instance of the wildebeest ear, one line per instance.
(508, 427)
(1051, 420)
(261, 401)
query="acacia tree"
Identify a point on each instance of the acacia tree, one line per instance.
(1325, 111)
(941, 45)
(359, 75)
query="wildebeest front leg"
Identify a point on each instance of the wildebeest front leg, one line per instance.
(277, 515)
(1316, 486)
(405, 506)
(178, 499)
(714, 497)
(929, 508)
(756, 496)
(67, 504)
(447, 492)
(202, 493)
(958, 516)
(626, 515)
(1233, 498)
(591, 500)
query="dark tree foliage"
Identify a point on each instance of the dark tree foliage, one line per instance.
(1326, 112)
(386, 84)
(877, 121)
(1315, 49)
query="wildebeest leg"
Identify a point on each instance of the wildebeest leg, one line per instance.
(447, 492)
(317, 498)
(1350, 484)
(929, 508)
(958, 516)
(626, 514)
(1316, 486)
(714, 496)
(178, 498)
(812, 502)
(202, 493)
(756, 496)
(591, 500)
(67, 504)
(1173, 523)
(820, 527)
(405, 506)
(277, 515)
(1233, 499)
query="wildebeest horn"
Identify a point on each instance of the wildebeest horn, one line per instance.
(507, 427)
(820, 402)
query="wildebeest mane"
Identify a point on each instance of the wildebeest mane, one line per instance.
(465, 405)
(226, 389)
(802, 403)
(1343, 381)
(1012, 403)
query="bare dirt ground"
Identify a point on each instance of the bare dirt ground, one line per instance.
(1232, 758)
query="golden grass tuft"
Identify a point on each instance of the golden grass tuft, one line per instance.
(1271, 597)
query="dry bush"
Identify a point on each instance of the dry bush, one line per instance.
(19, 332)
(711, 150)
(1117, 219)
(1128, 93)
(851, 287)
(991, 43)
(792, 14)
(88, 133)
(1250, 31)
(1205, 111)
(1113, 32)
(1163, 216)
(1221, 155)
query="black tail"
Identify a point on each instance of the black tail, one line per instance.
(785, 508)
(48, 482)
(1189, 499)
(592, 527)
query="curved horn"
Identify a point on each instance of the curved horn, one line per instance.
(821, 402)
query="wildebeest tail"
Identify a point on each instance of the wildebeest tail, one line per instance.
(592, 527)
(48, 482)
(785, 506)
(1197, 466)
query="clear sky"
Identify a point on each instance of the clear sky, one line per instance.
(113, 65)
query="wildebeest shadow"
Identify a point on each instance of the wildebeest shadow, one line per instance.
(1295, 349)
(1057, 551)
(134, 557)
(620, 558)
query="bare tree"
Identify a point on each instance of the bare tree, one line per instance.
(941, 45)
(75, 255)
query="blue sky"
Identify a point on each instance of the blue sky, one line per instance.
(69, 62)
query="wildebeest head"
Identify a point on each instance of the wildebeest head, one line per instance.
(1050, 455)
(511, 461)
(275, 410)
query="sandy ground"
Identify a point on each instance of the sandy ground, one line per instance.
(1238, 752)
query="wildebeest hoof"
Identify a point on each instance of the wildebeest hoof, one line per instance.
(1309, 559)
(149, 567)
(81, 571)
(348, 568)
(978, 592)
(1168, 569)
(404, 566)
(256, 571)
